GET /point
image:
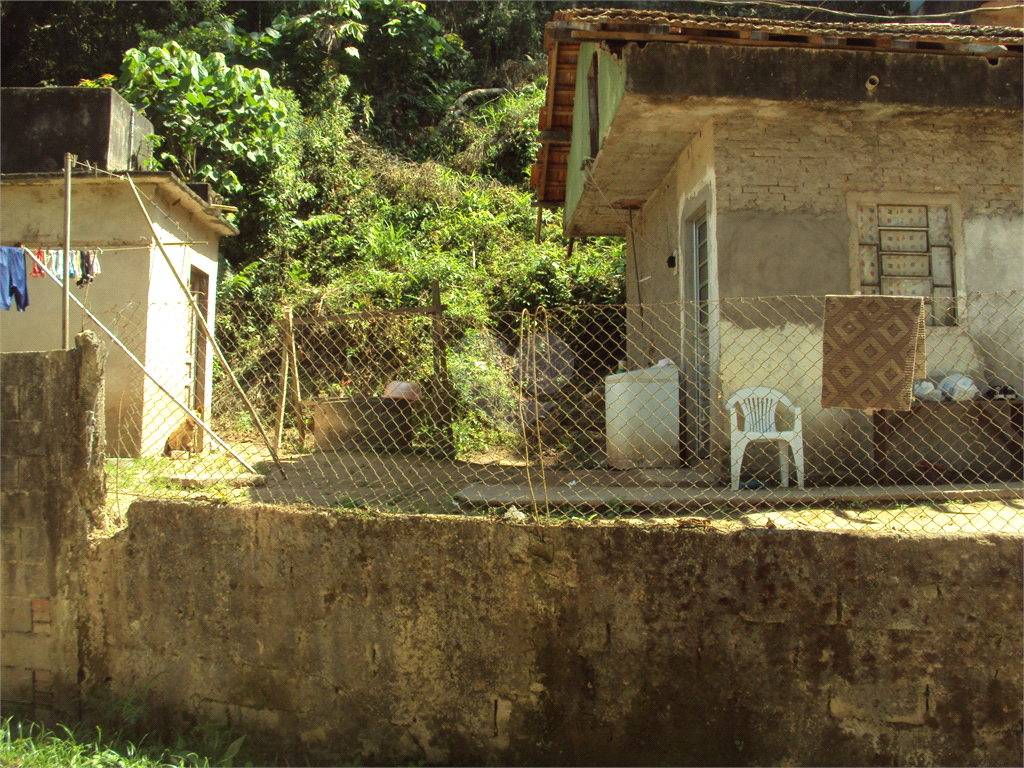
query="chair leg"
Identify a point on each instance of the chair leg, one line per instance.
(783, 463)
(737, 461)
(798, 459)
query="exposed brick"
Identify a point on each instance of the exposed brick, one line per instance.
(41, 616)
(902, 151)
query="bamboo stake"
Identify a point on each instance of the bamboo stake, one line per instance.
(296, 392)
(206, 330)
(149, 375)
(441, 370)
(282, 397)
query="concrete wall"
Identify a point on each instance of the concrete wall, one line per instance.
(136, 296)
(51, 481)
(38, 125)
(386, 640)
(393, 639)
(784, 188)
(807, 162)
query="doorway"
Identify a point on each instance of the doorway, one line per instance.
(195, 394)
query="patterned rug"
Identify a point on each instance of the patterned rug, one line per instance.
(873, 347)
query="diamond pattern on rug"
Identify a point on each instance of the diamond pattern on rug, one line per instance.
(873, 347)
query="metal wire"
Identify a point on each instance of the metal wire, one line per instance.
(566, 414)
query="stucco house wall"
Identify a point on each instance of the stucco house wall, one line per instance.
(780, 190)
(136, 296)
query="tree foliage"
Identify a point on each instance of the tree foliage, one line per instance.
(209, 116)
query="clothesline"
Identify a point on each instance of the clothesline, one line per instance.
(101, 249)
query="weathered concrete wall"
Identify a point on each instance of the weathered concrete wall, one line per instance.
(777, 343)
(51, 480)
(807, 161)
(38, 125)
(784, 186)
(470, 641)
(652, 287)
(136, 296)
(791, 74)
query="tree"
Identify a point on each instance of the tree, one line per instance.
(209, 116)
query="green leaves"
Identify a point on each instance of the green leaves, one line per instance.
(211, 115)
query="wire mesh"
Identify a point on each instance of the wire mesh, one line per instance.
(589, 412)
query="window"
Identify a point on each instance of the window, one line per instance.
(907, 250)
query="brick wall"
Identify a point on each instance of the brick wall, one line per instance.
(51, 479)
(806, 159)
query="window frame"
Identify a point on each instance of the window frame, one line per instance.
(931, 199)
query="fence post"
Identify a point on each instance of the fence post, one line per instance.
(441, 370)
(282, 397)
(296, 393)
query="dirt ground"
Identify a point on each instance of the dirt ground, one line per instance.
(412, 483)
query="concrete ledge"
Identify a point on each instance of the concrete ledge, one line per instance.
(501, 495)
(206, 481)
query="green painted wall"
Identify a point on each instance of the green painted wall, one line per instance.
(611, 86)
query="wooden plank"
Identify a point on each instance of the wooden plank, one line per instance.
(360, 316)
(296, 392)
(556, 137)
(442, 381)
(948, 49)
(549, 96)
(281, 398)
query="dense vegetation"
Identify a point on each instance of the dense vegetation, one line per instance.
(338, 131)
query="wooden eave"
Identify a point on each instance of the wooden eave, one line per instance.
(563, 36)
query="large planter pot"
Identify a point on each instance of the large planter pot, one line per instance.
(381, 422)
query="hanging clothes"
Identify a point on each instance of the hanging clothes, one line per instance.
(85, 264)
(55, 263)
(96, 270)
(37, 271)
(13, 280)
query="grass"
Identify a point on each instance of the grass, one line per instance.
(147, 477)
(27, 744)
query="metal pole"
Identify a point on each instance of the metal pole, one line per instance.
(206, 330)
(150, 376)
(64, 317)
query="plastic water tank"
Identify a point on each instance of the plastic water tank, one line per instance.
(642, 418)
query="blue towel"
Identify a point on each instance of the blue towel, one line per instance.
(13, 280)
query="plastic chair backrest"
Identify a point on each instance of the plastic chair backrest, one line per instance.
(758, 405)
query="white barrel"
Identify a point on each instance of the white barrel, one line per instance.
(642, 418)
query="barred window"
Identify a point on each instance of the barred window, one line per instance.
(907, 250)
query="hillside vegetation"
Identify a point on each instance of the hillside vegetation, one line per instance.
(369, 146)
(338, 131)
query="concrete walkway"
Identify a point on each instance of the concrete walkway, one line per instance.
(695, 498)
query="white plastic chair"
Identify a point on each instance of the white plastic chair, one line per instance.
(758, 405)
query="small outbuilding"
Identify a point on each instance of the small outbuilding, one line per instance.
(134, 293)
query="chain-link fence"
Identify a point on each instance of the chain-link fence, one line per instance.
(694, 414)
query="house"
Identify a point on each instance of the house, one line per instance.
(136, 295)
(744, 159)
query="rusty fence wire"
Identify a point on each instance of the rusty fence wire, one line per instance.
(689, 414)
